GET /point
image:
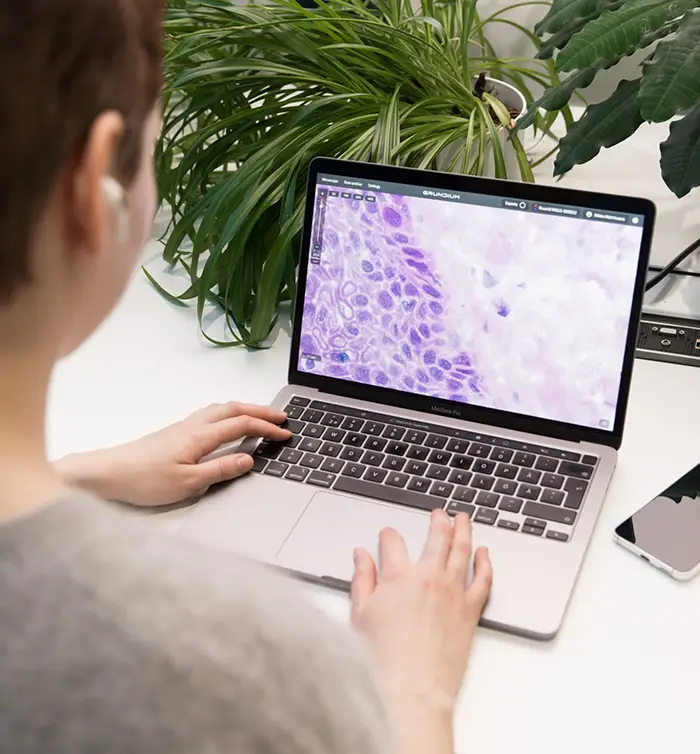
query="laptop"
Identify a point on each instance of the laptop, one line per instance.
(458, 343)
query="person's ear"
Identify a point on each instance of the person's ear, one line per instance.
(97, 203)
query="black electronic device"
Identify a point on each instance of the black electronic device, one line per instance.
(675, 340)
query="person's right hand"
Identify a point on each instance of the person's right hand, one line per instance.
(420, 620)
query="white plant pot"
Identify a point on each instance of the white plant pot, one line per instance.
(513, 99)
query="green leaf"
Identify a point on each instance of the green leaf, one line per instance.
(564, 12)
(618, 32)
(671, 80)
(680, 154)
(557, 97)
(603, 125)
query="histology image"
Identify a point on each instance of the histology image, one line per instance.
(511, 310)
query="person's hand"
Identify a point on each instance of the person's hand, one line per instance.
(420, 620)
(167, 467)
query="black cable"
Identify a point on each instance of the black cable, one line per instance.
(671, 266)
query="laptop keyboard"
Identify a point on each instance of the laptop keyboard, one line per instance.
(498, 482)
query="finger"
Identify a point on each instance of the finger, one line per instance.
(393, 555)
(461, 550)
(219, 411)
(480, 588)
(364, 579)
(215, 435)
(220, 470)
(437, 545)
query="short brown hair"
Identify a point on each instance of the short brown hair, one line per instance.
(62, 63)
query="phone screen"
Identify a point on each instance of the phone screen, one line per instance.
(668, 528)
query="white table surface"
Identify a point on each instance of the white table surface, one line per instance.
(625, 669)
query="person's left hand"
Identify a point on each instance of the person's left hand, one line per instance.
(166, 467)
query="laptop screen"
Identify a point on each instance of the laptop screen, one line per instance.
(493, 301)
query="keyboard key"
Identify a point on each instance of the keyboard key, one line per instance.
(330, 449)
(419, 484)
(297, 474)
(486, 516)
(568, 468)
(454, 508)
(546, 464)
(536, 522)
(555, 481)
(309, 445)
(436, 441)
(504, 523)
(332, 420)
(418, 452)
(396, 448)
(312, 415)
(355, 439)
(460, 477)
(313, 430)
(334, 465)
(524, 459)
(440, 456)
(415, 437)
(576, 490)
(437, 472)
(275, 468)
(375, 443)
(259, 464)
(311, 461)
(506, 471)
(530, 476)
(398, 495)
(457, 446)
(351, 454)
(479, 450)
(502, 455)
(375, 475)
(354, 469)
(589, 461)
(549, 513)
(293, 426)
(394, 463)
(289, 455)
(484, 467)
(269, 449)
(297, 400)
(558, 535)
(505, 487)
(293, 412)
(393, 433)
(529, 491)
(334, 435)
(461, 462)
(416, 467)
(553, 497)
(487, 499)
(481, 482)
(441, 489)
(352, 424)
(373, 428)
(293, 441)
(372, 458)
(511, 504)
(321, 478)
(464, 494)
(396, 479)
(537, 532)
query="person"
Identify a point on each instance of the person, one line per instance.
(114, 636)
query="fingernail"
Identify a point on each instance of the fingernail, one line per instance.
(245, 463)
(356, 555)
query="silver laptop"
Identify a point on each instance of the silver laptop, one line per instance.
(459, 343)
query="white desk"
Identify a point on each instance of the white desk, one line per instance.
(625, 670)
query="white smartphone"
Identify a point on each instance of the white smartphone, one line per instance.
(666, 531)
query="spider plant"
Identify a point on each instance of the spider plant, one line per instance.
(255, 92)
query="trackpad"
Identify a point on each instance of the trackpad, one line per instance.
(332, 526)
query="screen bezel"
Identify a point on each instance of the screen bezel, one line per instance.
(492, 187)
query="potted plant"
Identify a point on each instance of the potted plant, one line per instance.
(587, 36)
(255, 92)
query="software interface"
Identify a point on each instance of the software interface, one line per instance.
(495, 302)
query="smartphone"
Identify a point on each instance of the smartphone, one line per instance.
(666, 531)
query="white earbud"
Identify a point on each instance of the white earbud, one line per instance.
(116, 198)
